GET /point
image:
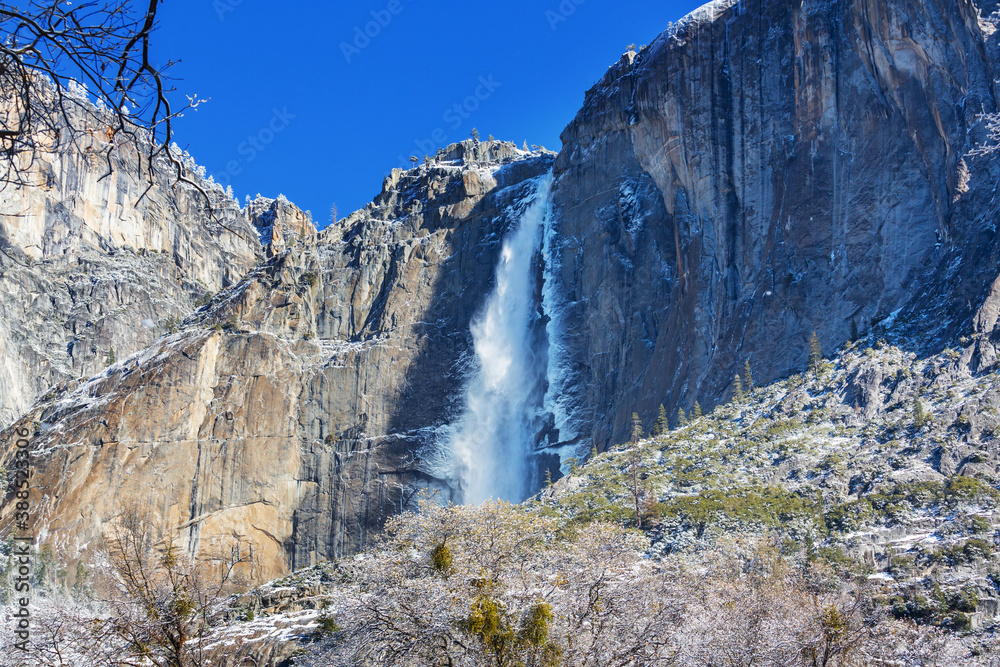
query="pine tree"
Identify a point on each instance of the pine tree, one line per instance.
(334, 213)
(682, 419)
(748, 376)
(662, 422)
(815, 353)
(525, 147)
(475, 135)
(548, 477)
(737, 389)
(855, 335)
(80, 582)
(634, 467)
(920, 416)
(111, 358)
(697, 414)
(414, 160)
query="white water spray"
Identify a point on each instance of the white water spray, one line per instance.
(494, 438)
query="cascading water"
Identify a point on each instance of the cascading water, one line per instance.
(493, 440)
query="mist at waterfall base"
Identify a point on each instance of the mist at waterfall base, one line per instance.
(493, 440)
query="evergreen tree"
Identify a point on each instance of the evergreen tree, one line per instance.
(855, 335)
(748, 376)
(548, 477)
(662, 423)
(80, 581)
(475, 135)
(737, 389)
(682, 419)
(636, 428)
(815, 353)
(697, 414)
(414, 160)
(111, 358)
(920, 416)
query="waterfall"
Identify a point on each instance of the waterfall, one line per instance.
(493, 440)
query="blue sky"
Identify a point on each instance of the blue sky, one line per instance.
(303, 102)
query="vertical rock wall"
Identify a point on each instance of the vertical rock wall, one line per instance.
(762, 171)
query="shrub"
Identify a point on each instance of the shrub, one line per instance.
(979, 525)
(969, 488)
(833, 461)
(767, 506)
(959, 622)
(965, 552)
(328, 625)
(442, 559)
(964, 600)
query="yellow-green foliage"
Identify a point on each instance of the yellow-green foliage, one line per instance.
(489, 620)
(535, 629)
(442, 559)
(964, 552)
(834, 462)
(780, 429)
(969, 489)
(768, 506)
(587, 507)
(896, 503)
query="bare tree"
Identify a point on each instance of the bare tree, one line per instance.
(491, 585)
(80, 73)
(157, 605)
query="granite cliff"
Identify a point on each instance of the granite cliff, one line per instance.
(761, 171)
(300, 406)
(764, 170)
(98, 263)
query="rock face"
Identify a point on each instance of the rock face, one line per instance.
(763, 170)
(92, 269)
(279, 223)
(768, 169)
(300, 407)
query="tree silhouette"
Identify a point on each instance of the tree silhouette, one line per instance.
(72, 71)
(815, 353)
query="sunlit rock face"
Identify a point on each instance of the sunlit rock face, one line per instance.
(100, 258)
(306, 403)
(768, 169)
(279, 223)
(763, 170)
